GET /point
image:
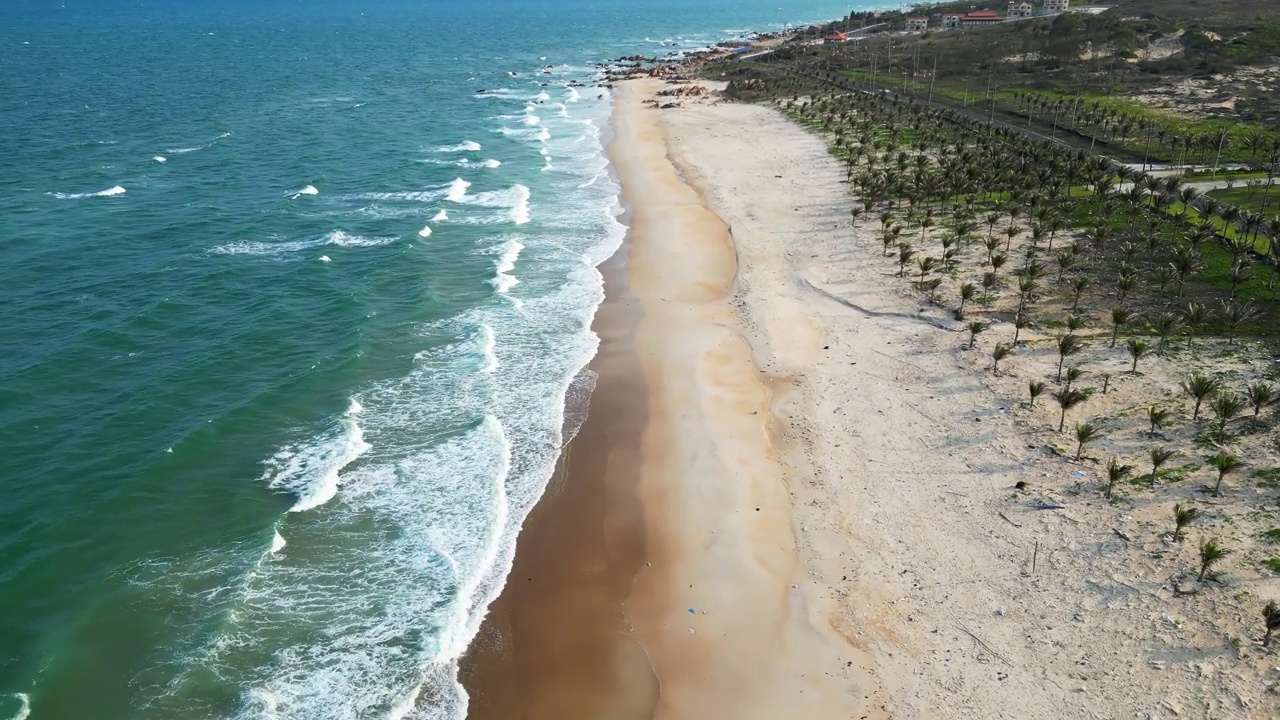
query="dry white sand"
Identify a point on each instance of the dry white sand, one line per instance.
(791, 372)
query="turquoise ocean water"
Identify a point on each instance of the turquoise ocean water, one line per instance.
(292, 316)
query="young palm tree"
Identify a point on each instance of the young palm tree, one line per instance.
(1226, 406)
(1079, 284)
(1225, 463)
(1160, 456)
(1000, 352)
(1068, 345)
(974, 328)
(1068, 398)
(926, 265)
(1200, 387)
(1085, 434)
(1259, 395)
(1210, 553)
(1186, 262)
(1035, 389)
(1075, 322)
(1182, 517)
(1193, 317)
(1074, 373)
(1158, 417)
(1137, 350)
(1164, 326)
(1115, 473)
(1271, 620)
(1020, 323)
(1119, 318)
(989, 281)
(967, 292)
(1237, 314)
(905, 253)
(1126, 284)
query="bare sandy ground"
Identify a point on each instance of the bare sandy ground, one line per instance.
(899, 453)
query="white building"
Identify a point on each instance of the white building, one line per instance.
(952, 20)
(917, 23)
(1021, 9)
(1057, 5)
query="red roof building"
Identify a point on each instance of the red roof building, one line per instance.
(981, 17)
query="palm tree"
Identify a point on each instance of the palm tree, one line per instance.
(1186, 262)
(1079, 284)
(1224, 462)
(1259, 395)
(1271, 619)
(1068, 345)
(905, 253)
(1085, 434)
(1210, 554)
(1164, 326)
(1226, 405)
(1194, 316)
(1120, 317)
(1137, 349)
(1000, 352)
(1200, 387)
(1035, 389)
(1182, 517)
(1068, 398)
(1158, 417)
(967, 292)
(1125, 285)
(1075, 322)
(1160, 456)
(1237, 313)
(1115, 473)
(975, 327)
(1020, 322)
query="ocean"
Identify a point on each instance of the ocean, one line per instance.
(295, 326)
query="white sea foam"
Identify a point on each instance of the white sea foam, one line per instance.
(532, 120)
(520, 208)
(573, 95)
(440, 216)
(515, 199)
(24, 706)
(457, 190)
(311, 470)
(488, 347)
(281, 247)
(403, 561)
(491, 163)
(109, 192)
(277, 542)
(464, 146)
(509, 253)
(308, 190)
(425, 231)
(325, 258)
(160, 158)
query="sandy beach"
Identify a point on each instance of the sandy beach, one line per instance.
(793, 496)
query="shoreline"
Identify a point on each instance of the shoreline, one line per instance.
(640, 589)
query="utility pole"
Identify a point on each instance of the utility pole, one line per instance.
(991, 71)
(933, 77)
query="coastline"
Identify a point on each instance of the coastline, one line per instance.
(660, 576)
